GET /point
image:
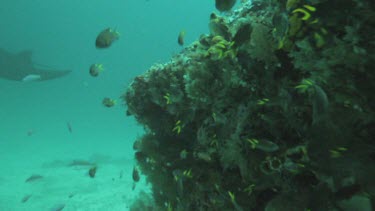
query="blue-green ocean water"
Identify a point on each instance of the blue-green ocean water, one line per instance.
(34, 137)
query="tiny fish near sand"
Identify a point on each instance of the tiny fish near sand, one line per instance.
(81, 163)
(92, 171)
(34, 178)
(57, 207)
(26, 198)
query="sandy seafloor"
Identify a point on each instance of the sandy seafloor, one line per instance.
(35, 139)
(111, 189)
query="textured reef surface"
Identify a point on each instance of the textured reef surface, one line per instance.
(273, 110)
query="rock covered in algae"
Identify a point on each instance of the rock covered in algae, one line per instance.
(246, 81)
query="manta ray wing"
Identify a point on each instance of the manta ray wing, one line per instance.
(19, 66)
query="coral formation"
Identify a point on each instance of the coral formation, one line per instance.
(274, 110)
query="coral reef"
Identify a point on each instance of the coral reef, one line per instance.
(273, 110)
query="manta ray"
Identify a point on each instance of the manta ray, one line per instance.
(20, 67)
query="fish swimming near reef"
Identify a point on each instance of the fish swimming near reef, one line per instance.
(106, 37)
(135, 174)
(108, 102)
(20, 67)
(96, 69)
(181, 38)
(218, 27)
(224, 5)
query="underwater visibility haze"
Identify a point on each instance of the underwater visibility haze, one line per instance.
(187, 105)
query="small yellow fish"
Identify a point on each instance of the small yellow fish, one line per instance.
(106, 38)
(95, 69)
(181, 37)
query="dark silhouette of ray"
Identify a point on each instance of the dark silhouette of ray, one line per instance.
(20, 66)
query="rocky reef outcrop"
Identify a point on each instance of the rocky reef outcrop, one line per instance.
(273, 110)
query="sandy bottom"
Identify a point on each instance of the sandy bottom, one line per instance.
(64, 185)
